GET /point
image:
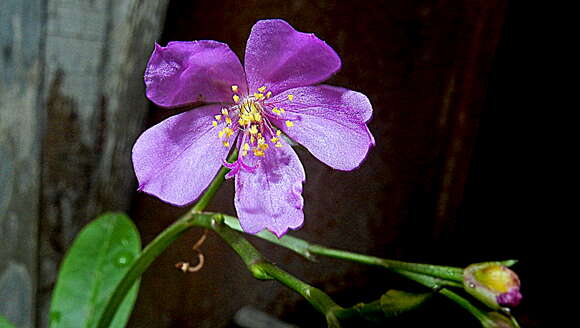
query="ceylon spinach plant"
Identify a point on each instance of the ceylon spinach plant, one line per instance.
(245, 130)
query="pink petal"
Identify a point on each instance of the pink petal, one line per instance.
(280, 58)
(176, 159)
(190, 72)
(330, 122)
(271, 196)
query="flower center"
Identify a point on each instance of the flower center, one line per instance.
(250, 116)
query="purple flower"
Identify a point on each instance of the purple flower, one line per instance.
(251, 109)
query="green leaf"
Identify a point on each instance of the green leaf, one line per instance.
(4, 323)
(100, 256)
(395, 302)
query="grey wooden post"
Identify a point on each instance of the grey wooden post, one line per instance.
(21, 64)
(81, 117)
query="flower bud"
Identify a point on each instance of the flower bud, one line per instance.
(492, 283)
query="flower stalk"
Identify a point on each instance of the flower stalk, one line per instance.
(192, 218)
(228, 228)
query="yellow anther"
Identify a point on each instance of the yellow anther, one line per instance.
(262, 88)
(214, 123)
(274, 140)
(228, 120)
(244, 152)
(275, 111)
(269, 94)
(258, 152)
(278, 133)
(257, 117)
(289, 124)
(226, 144)
(253, 130)
(229, 132)
(252, 139)
(221, 133)
(258, 95)
(246, 147)
(278, 145)
(290, 97)
(264, 146)
(282, 110)
(234, 88)
(218, 118)
(225, 111)
(236, 98)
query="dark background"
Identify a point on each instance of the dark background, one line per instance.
(452, 180)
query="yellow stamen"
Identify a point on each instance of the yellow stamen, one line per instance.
(269, 94)
(257, 117)
(218, 118)
(253, 130)
(246, 146)
(225, 111)
(244, 152)
(274, 140)
(276, 111)
(262, 88)
(258, 95)
(289, 124)
(234, 88)
(282, 110)
(228, 120)
(278, 133)
(252, 139)
(236, 98)
(258, 152)
(226, 144)
(290, 97)
(214, 123)
(278, 145)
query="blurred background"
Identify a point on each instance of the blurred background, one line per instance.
(447, 183)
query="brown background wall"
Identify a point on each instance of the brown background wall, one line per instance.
(426, 66)
(455, 177)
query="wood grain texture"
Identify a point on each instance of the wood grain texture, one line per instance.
(21, 30)
(96, 52)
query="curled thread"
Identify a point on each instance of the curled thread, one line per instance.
(186, 266)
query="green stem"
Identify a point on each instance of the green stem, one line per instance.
(161, 242)
(263, 269)
(443, 272)
(480, 315)
(451, 276)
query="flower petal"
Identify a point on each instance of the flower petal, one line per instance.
(271, 196)
(280, 58)
(330, 122)
(176, 159)
(189, 72)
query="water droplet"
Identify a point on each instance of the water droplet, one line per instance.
(54, 318)
(471, 285)
(123, 258)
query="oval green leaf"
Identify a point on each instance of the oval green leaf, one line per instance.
(4, 323)
(100, 256)
(396, 302)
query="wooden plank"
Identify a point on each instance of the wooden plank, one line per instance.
(96, 52)
(21, 29)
